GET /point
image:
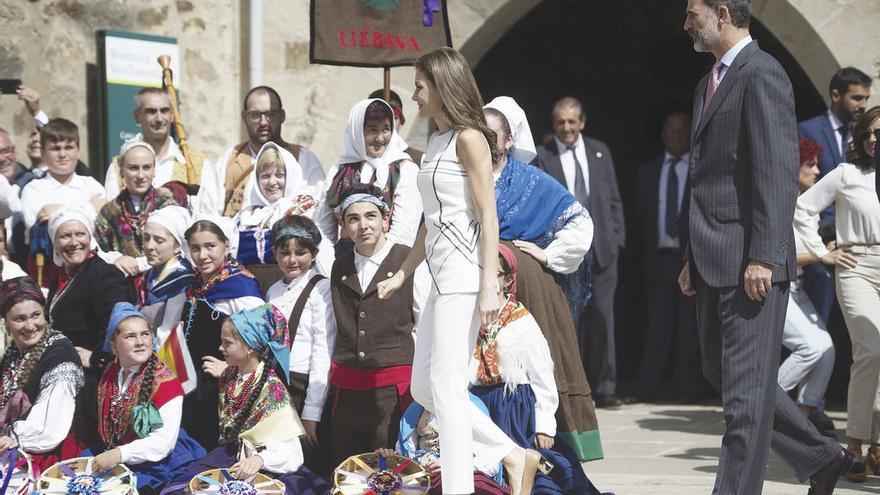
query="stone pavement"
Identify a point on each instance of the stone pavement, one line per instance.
(671, 449)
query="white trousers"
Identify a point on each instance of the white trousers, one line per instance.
(447, 336)
(858, 290)
(812, 353)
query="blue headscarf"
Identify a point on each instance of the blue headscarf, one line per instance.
(262, 327)
(121, 311)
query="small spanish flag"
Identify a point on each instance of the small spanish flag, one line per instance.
(175, 354)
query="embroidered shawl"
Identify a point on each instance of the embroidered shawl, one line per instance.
(120, 228)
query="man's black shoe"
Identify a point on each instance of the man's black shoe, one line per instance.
(823, 482)
(607, 401)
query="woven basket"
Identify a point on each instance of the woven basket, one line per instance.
(371, 473)
(217, 481)
(62, 476)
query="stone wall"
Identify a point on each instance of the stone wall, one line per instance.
(50, 45)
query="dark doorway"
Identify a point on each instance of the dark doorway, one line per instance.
(631, 64)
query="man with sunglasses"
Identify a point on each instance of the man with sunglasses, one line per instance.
(223, 184)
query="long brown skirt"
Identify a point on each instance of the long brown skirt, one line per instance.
(539, 292)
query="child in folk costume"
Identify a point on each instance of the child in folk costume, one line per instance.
(276, 189)
(259, 430)
(139, 405)
(303, 296)
(40, 377)
(164, 287)
(220, 288)
(374, 154)
(514, 378)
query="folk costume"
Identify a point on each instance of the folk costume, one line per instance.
(372, 359)
(169, 167)
(80, 304)
(223, 184)
(163, 290)
(534, 207)
(394, 172)
(230, 290)
(38, 389)
(256, 415)
(143, 425)
(514, 378)
(257, 215)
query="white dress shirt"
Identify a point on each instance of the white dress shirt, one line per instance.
(164, 169)
(566, 157)
(160, 442)
(367, 267)
(315, 337)
(212, 191)
(730, 56)
(41, 192)
(681, 169)
(856, 210)
(836, 124)
(406, 208)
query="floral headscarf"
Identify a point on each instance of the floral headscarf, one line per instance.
(262, 327)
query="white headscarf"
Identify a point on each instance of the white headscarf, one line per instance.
(292, 182)
(83, 214)
(523, 144)
(175, 219)
(226, 225)
(356, 150)
(135, 143)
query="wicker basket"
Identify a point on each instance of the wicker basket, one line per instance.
(64, 476)
(21, 478)
(372, 473)
(219, 481)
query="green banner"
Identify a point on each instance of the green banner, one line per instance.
(127, 62)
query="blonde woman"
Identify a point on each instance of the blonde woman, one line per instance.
(459, 240)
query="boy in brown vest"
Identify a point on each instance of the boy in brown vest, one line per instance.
(372, 360)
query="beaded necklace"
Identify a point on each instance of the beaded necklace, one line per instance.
(234, 405)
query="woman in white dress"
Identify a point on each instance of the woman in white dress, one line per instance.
(459, 240)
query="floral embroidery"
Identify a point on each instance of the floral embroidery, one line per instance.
(486, 352)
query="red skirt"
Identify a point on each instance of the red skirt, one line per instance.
(69, 448)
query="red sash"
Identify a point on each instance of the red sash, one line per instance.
(348, 378)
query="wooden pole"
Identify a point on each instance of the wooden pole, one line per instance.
(387, 88)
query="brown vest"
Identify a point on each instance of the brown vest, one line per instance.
(372, 333)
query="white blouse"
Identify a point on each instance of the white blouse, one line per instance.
(315, 337)
(159, 443)
(524, 359)
(48, 422)
(857, 211)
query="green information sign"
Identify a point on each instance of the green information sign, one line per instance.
(127, 62)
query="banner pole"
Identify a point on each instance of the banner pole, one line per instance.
(387, 88)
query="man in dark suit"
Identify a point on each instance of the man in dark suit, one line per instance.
(670, 342)
(585, 167)
(740, 254)
(849, 91)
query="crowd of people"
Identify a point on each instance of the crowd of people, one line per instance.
(277, 318)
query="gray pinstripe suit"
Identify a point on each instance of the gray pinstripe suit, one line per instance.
(743, 178)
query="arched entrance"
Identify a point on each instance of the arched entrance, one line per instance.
(631, 64)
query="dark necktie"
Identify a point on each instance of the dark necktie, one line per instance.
(580, 185)
(844, 140)
(672, 199)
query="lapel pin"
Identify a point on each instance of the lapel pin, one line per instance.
(344, 277)
(598, 154)
(390, 274)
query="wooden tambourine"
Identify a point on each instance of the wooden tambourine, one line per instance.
(372, 473)
(16, 473)
(220, 482)
(76, 477)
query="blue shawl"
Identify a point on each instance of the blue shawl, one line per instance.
(533, 206)
(174, 283)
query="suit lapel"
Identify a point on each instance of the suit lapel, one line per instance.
(349, 276)
(554, 167)
(595, 182)
(831, 140)
(727, 83)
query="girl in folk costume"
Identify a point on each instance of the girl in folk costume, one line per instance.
(259, 429)
(375, 154)
(514, 378)
(276, 189)
(221, 287)
(139, 406)
(120, 223)
(40, 377)
(303, 296)
(550, 233)
(163, 292)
